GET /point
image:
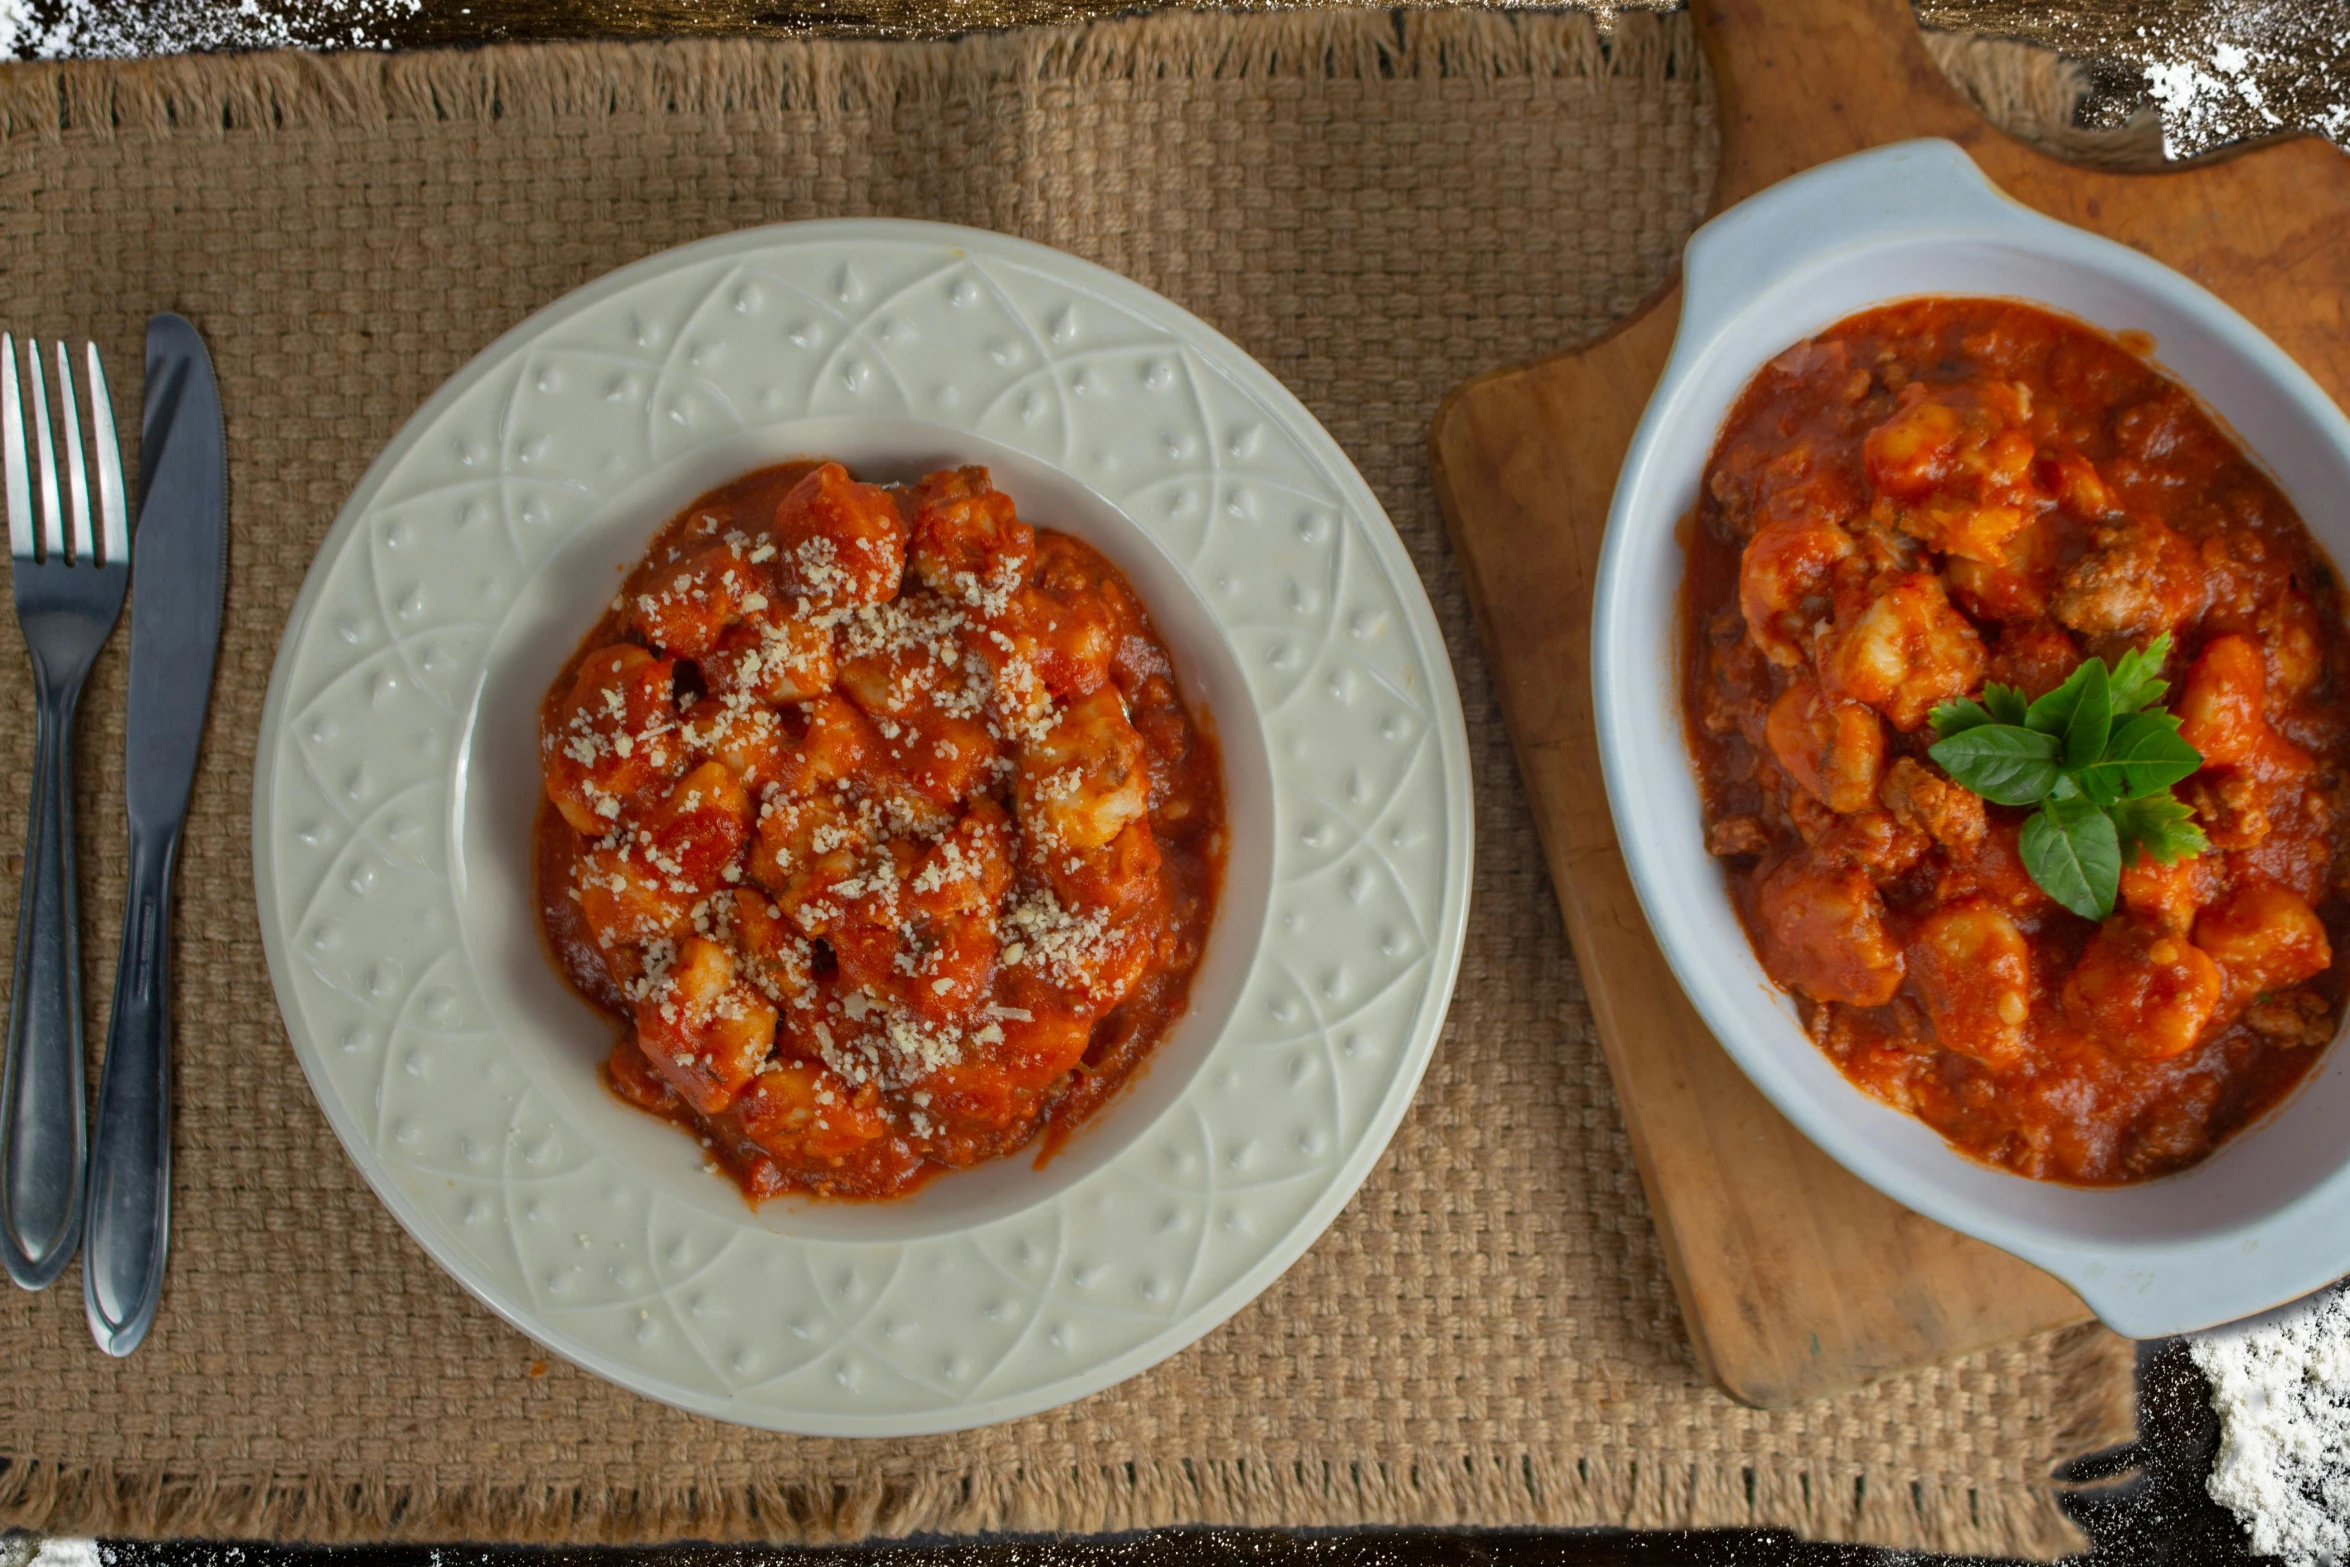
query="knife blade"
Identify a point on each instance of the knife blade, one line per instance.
(179, 570)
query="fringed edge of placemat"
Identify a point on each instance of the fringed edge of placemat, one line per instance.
(1506, 1490)
(214, 97)
(2034, 94)
(2030, 92)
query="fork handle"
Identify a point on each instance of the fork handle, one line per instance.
(130, 1158)
(43, 1131)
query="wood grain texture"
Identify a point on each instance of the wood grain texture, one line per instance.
(1795, 1279)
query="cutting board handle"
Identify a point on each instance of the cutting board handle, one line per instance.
(1800, 84)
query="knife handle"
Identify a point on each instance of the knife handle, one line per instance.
(130, 1157)
(43, 1108)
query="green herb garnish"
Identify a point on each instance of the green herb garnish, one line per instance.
(2098, 758)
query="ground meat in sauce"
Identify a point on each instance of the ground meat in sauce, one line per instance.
(877, 822)
(1941, 493)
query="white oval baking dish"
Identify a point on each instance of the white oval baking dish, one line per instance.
(2267, 1217)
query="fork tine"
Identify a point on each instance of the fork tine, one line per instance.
(114, 525)
(52, 513)
(77, 473)
(20, 484)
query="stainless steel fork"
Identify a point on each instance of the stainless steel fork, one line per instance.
(69, 584)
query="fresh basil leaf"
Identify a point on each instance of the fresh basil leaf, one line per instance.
(2150, 753)
(2098, 759)
(1957, 717)
(2145, 755)
(2100, 782)
(2137, 679)
(2004, 764)
(2159, 825)
(2008, 704)
(2072, 850)
(2091, 722)
(2051, 713)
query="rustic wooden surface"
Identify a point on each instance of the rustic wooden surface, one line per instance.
(1794, 1278)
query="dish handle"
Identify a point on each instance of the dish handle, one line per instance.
(1902, 189)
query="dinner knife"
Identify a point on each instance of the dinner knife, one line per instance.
(179, 565)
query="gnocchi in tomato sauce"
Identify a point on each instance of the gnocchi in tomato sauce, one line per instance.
(877, 822)
(1943, 493)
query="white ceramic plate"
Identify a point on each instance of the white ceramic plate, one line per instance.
(397, 774)
(2267, 1217)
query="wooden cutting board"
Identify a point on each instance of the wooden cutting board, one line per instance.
(1795, 1279)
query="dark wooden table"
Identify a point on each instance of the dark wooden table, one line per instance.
(2142, 1505)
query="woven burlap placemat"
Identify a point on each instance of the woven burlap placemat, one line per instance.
(1377, 207)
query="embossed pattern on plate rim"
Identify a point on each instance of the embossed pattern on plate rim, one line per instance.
(1333, 1182)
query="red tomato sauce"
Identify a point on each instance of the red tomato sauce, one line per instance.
(877, 823)
(1942, 493)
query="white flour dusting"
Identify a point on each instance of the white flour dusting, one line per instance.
(2281, 1387)
(2237, 70)
(68, 1553)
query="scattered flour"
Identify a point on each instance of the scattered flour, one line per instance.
(2281, 1387)
(2236, 70)
(66, 1552)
